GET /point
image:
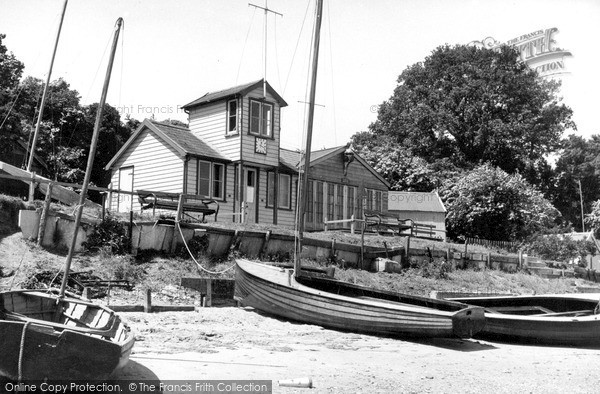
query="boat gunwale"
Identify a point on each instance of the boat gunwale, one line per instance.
(393, 305)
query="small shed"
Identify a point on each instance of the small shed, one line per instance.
(425, 209)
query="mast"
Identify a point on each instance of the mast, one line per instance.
(41, 113)
(309, 130)
(90, 162)
(267, 10)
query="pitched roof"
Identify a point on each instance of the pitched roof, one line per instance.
(177, 137)
(415, 201)
(292, 159)
(188, 142)
(233, 91)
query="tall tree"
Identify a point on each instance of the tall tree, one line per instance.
(579, 161)
(473, 106)
(11, 70)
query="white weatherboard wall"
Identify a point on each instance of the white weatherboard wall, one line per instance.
(156, 167)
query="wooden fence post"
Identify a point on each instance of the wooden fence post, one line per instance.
(148, 301)
(44, 215)
(352, 224)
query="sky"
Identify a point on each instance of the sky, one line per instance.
(172, 52)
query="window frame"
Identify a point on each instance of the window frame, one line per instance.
(211, 180)
(235, 116)
(271, 191)
(270, 121)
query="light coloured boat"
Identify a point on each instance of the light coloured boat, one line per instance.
(344, 306)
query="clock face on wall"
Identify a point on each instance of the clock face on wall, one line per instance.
(260, 146)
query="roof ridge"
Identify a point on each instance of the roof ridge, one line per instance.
(169, 125)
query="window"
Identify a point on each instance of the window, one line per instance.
(369, 200)
(330, 201)
(211, 180)
(232, 115)
(378, 201)
(319, 203)
(350, 202)
(339, 202)
(310, 203)
(284, 195)
(261, 115)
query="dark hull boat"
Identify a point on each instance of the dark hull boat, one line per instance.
(344, 306)
(44, 337)
(564, 320)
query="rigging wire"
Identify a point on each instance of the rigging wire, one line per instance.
(244, 48)
(331, 73)
(276, 52)
(296, 48)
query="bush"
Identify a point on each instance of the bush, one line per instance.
(109, 232)
(560, 247)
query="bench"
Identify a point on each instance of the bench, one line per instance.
(170, 201)
(384, 224)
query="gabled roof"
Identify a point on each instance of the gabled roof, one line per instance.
(292, 159)
(234, 91)
(415, 201)
(177, 137)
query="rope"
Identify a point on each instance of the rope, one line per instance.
(244, 48)
(17, 271)
(296, 48)
(193, 258)
(22, 351)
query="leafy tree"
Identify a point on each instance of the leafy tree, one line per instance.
(398, 165)
(491, 204)
(472, 106)
(11, 70)
(579, 161)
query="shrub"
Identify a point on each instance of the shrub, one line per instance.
(109, 232)
(560, 247)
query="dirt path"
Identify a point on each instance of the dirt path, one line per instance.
(234, 343)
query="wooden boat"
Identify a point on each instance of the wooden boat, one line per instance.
(49, 338)
(344, 306)
(566, 320)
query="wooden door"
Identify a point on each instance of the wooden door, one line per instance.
(125, 201)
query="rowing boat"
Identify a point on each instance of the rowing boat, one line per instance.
(45, 337)
(565, 320)
(345, 306)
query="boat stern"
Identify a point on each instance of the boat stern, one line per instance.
(468, 322)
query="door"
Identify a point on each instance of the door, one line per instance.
(125, 201)
(250, 199)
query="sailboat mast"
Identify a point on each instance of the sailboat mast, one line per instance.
(90, 162)
(41, 113)
(309, 130)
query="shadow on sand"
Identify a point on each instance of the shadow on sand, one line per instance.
(457, 344)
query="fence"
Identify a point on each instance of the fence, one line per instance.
(507, 245)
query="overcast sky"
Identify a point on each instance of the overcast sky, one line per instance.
(173, 52)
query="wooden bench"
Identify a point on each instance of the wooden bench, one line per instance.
(384, 224)
(170, 201)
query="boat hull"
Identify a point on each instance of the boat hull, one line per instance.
(37, 349)
(571, 322)
(275, 291)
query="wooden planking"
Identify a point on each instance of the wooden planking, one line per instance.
(287, 217)
(157, 167)
(248, 140)
(209, 124)
(269, 292)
